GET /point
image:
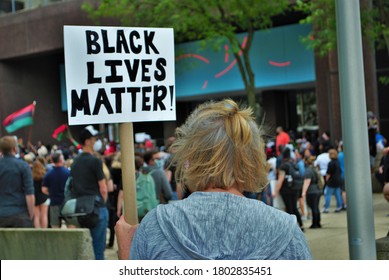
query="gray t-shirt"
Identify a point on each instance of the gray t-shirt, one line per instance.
(216, 225)
(311, 174)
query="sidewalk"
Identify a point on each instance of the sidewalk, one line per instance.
(331, 241)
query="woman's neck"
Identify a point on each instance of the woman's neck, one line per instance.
(233, 190)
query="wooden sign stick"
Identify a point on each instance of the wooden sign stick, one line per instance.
(128, 172)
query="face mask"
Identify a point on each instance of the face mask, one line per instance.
(97, 146)
(159, 163)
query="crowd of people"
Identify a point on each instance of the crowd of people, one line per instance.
(208, 181)
(320, 158)
(35, 179)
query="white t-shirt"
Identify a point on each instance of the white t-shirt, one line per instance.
(322, 161)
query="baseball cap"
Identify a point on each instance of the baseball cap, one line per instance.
(87, 133)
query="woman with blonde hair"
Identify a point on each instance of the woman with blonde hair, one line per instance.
(42, 201)
(219, 153)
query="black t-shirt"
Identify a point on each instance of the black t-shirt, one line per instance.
(87, 171)
(40, 197)
(335, 174)
(116, 174)
(285, 167)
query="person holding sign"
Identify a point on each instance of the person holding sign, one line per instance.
(219, 154)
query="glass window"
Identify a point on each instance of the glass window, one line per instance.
(306, 111)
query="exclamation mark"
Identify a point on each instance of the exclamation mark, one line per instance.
(171, 97)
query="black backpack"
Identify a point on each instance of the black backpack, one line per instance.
(294, 179)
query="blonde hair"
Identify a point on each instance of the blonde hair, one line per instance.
(218, 146)
(107, 173)
(116, 162)
(68, 162)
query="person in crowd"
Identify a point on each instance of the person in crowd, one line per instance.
(290, 196)
(333, 182)
(325, 142)
(169, 168)
(22, 149)
(54, 186)
(272, 176)
(279, 157)
(385, 171)
(341, 164)
(40, 149)
(219, 153)
(42, 201)
(309, 148)
(48, 162)
(307, 154)
(301, 166)
(17, 199)
(29, 159)
(116, 172)
(89, 179)
(311, 191)
(68, 163)
(155, 165)
(322, 160)
(282, 138)
(372, 128)
(111, 150)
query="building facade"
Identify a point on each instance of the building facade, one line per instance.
(299, 91)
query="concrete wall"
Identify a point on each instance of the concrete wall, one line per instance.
(31, 51)
(45, 244)
(382, 245)
(40, 30)
(35, 78)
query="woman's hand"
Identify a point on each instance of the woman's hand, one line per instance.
(124, 234)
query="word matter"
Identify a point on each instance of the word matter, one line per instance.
(152, 99)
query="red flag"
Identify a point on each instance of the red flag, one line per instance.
(59, 132)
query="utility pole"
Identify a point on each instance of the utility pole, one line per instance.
(360, 218)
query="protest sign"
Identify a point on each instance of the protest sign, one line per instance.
(119, 74)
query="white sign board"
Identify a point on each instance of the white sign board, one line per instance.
(119, 74)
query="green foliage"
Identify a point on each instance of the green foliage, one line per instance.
(384, 80)
(191, 19)
(321, 13)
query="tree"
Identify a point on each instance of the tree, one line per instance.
(201, 20)
(321, 13)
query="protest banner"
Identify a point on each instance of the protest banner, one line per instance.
(120, 75)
